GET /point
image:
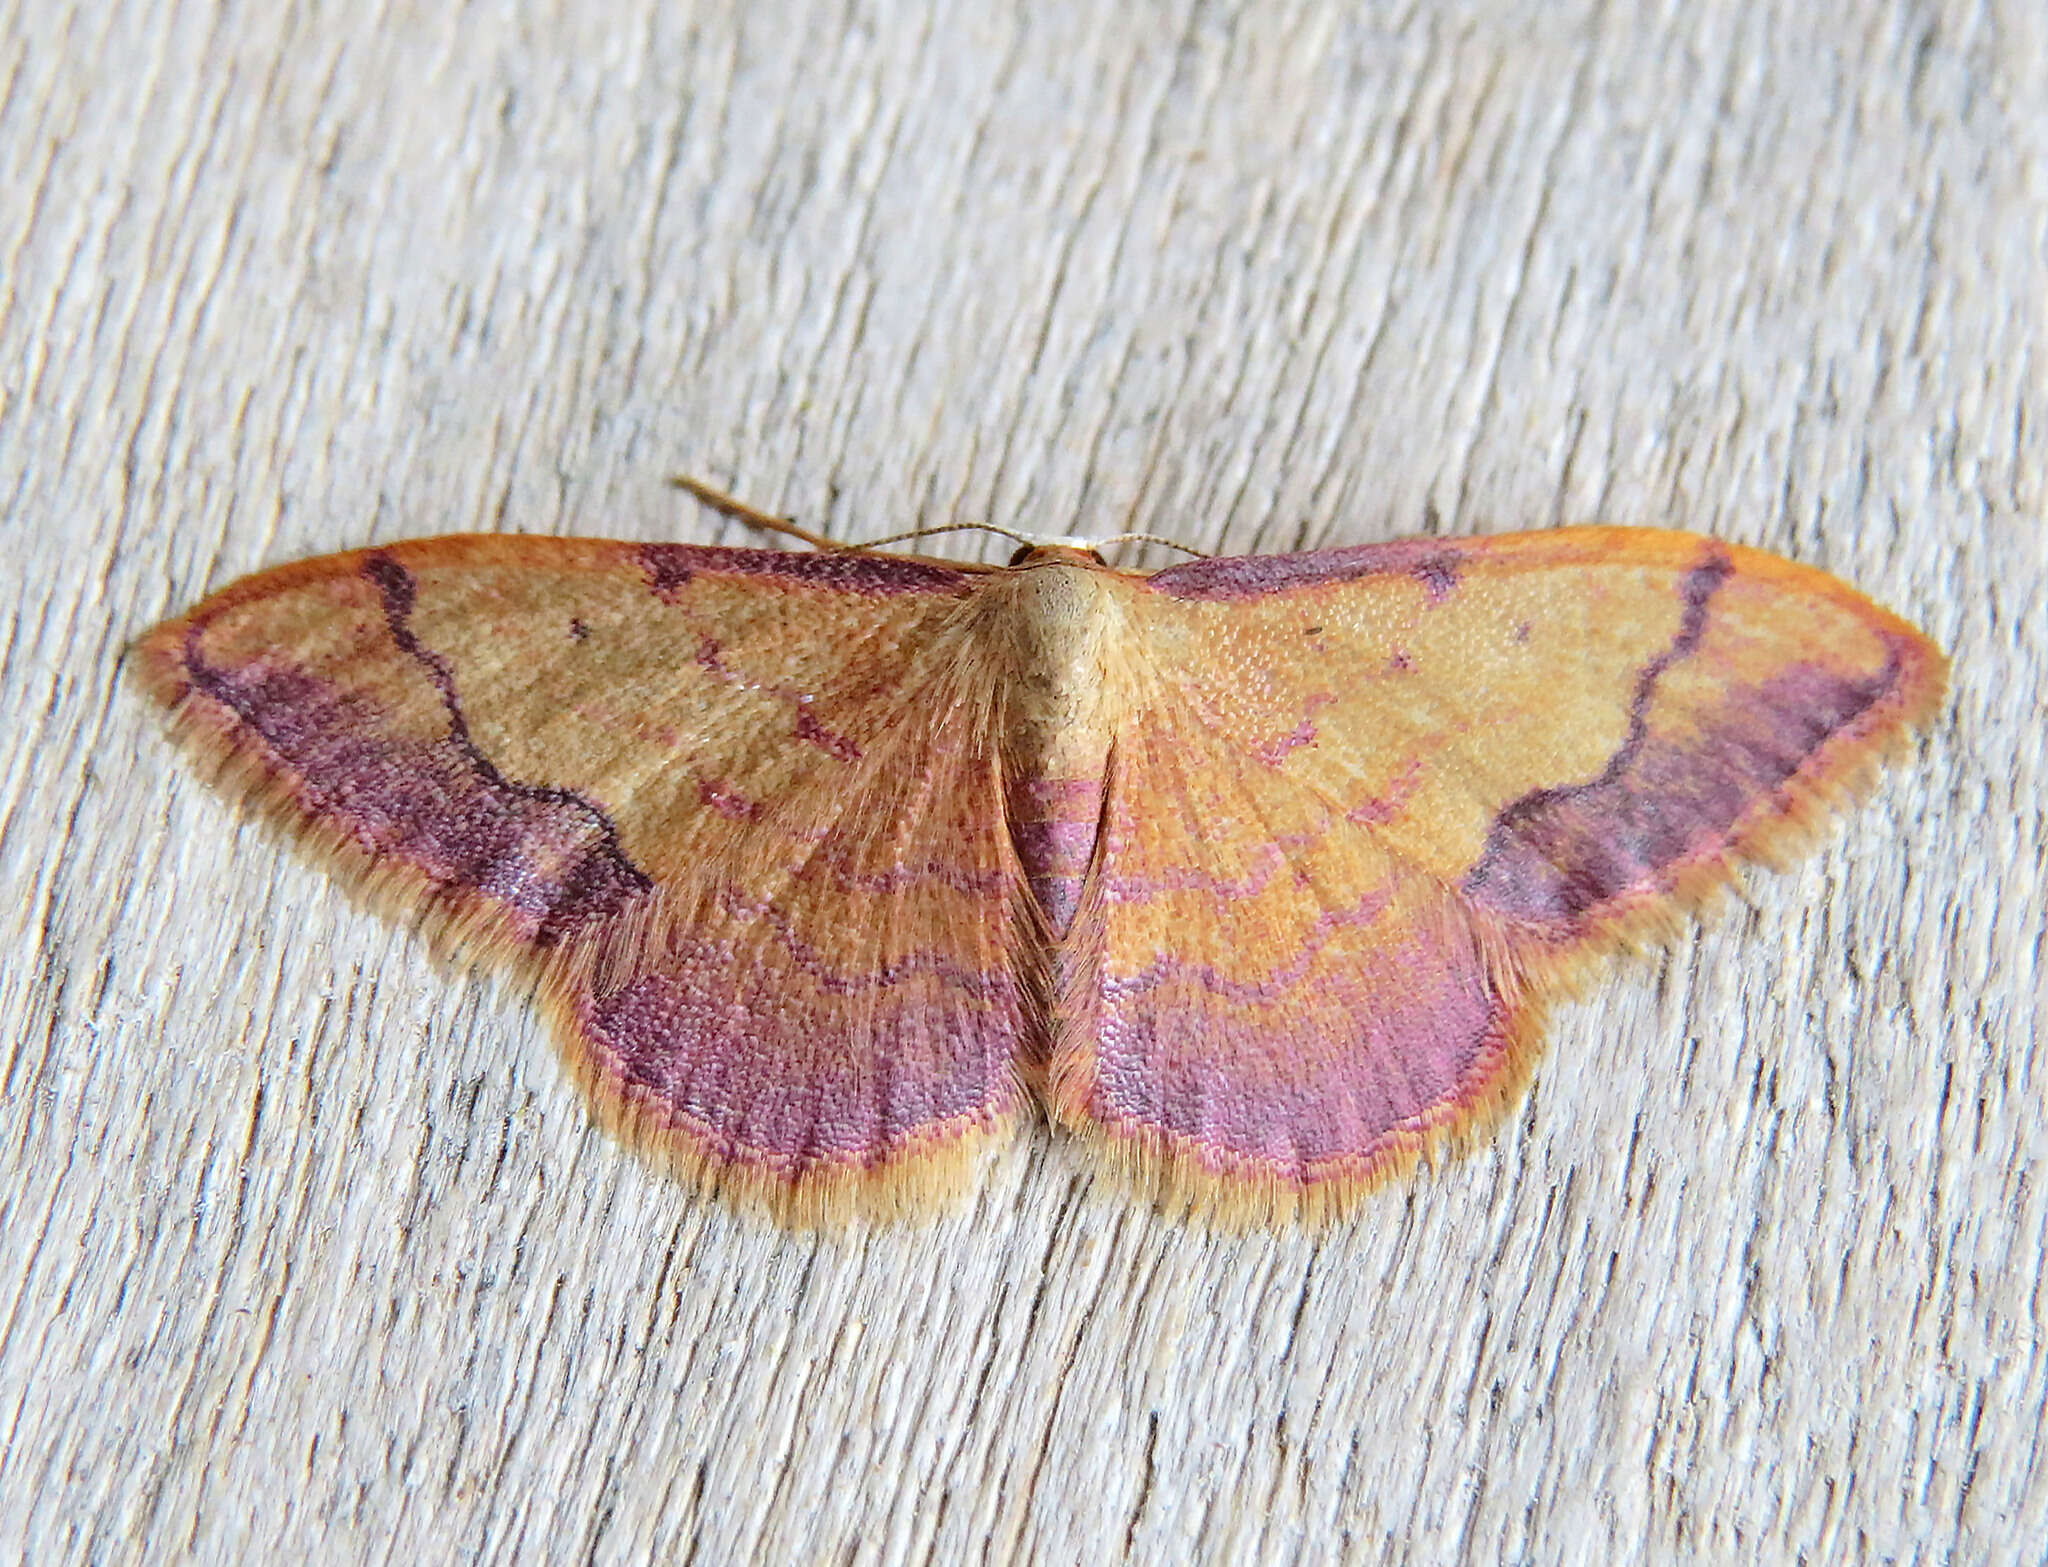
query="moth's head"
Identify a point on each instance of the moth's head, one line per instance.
(1049, 554)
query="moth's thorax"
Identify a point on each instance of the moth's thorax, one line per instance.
(1062, 630)
(1060, 623)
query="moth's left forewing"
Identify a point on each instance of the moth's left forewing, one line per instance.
(1387, 799)
(1489, 697)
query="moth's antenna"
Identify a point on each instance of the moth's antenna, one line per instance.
(1036, 539)
(1155, 538)
(951, 527)
(740, 511)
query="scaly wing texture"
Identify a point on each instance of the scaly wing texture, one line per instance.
(741, 808)
(1371, 808)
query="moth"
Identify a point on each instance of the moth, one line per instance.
(1256, 872)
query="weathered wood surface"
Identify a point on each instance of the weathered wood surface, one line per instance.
(309, 1248)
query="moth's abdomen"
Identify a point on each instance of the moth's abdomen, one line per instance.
(1053, 823)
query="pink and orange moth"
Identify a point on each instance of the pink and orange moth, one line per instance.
(1259, 872)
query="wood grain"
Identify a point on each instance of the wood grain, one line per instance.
(308, 1249)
